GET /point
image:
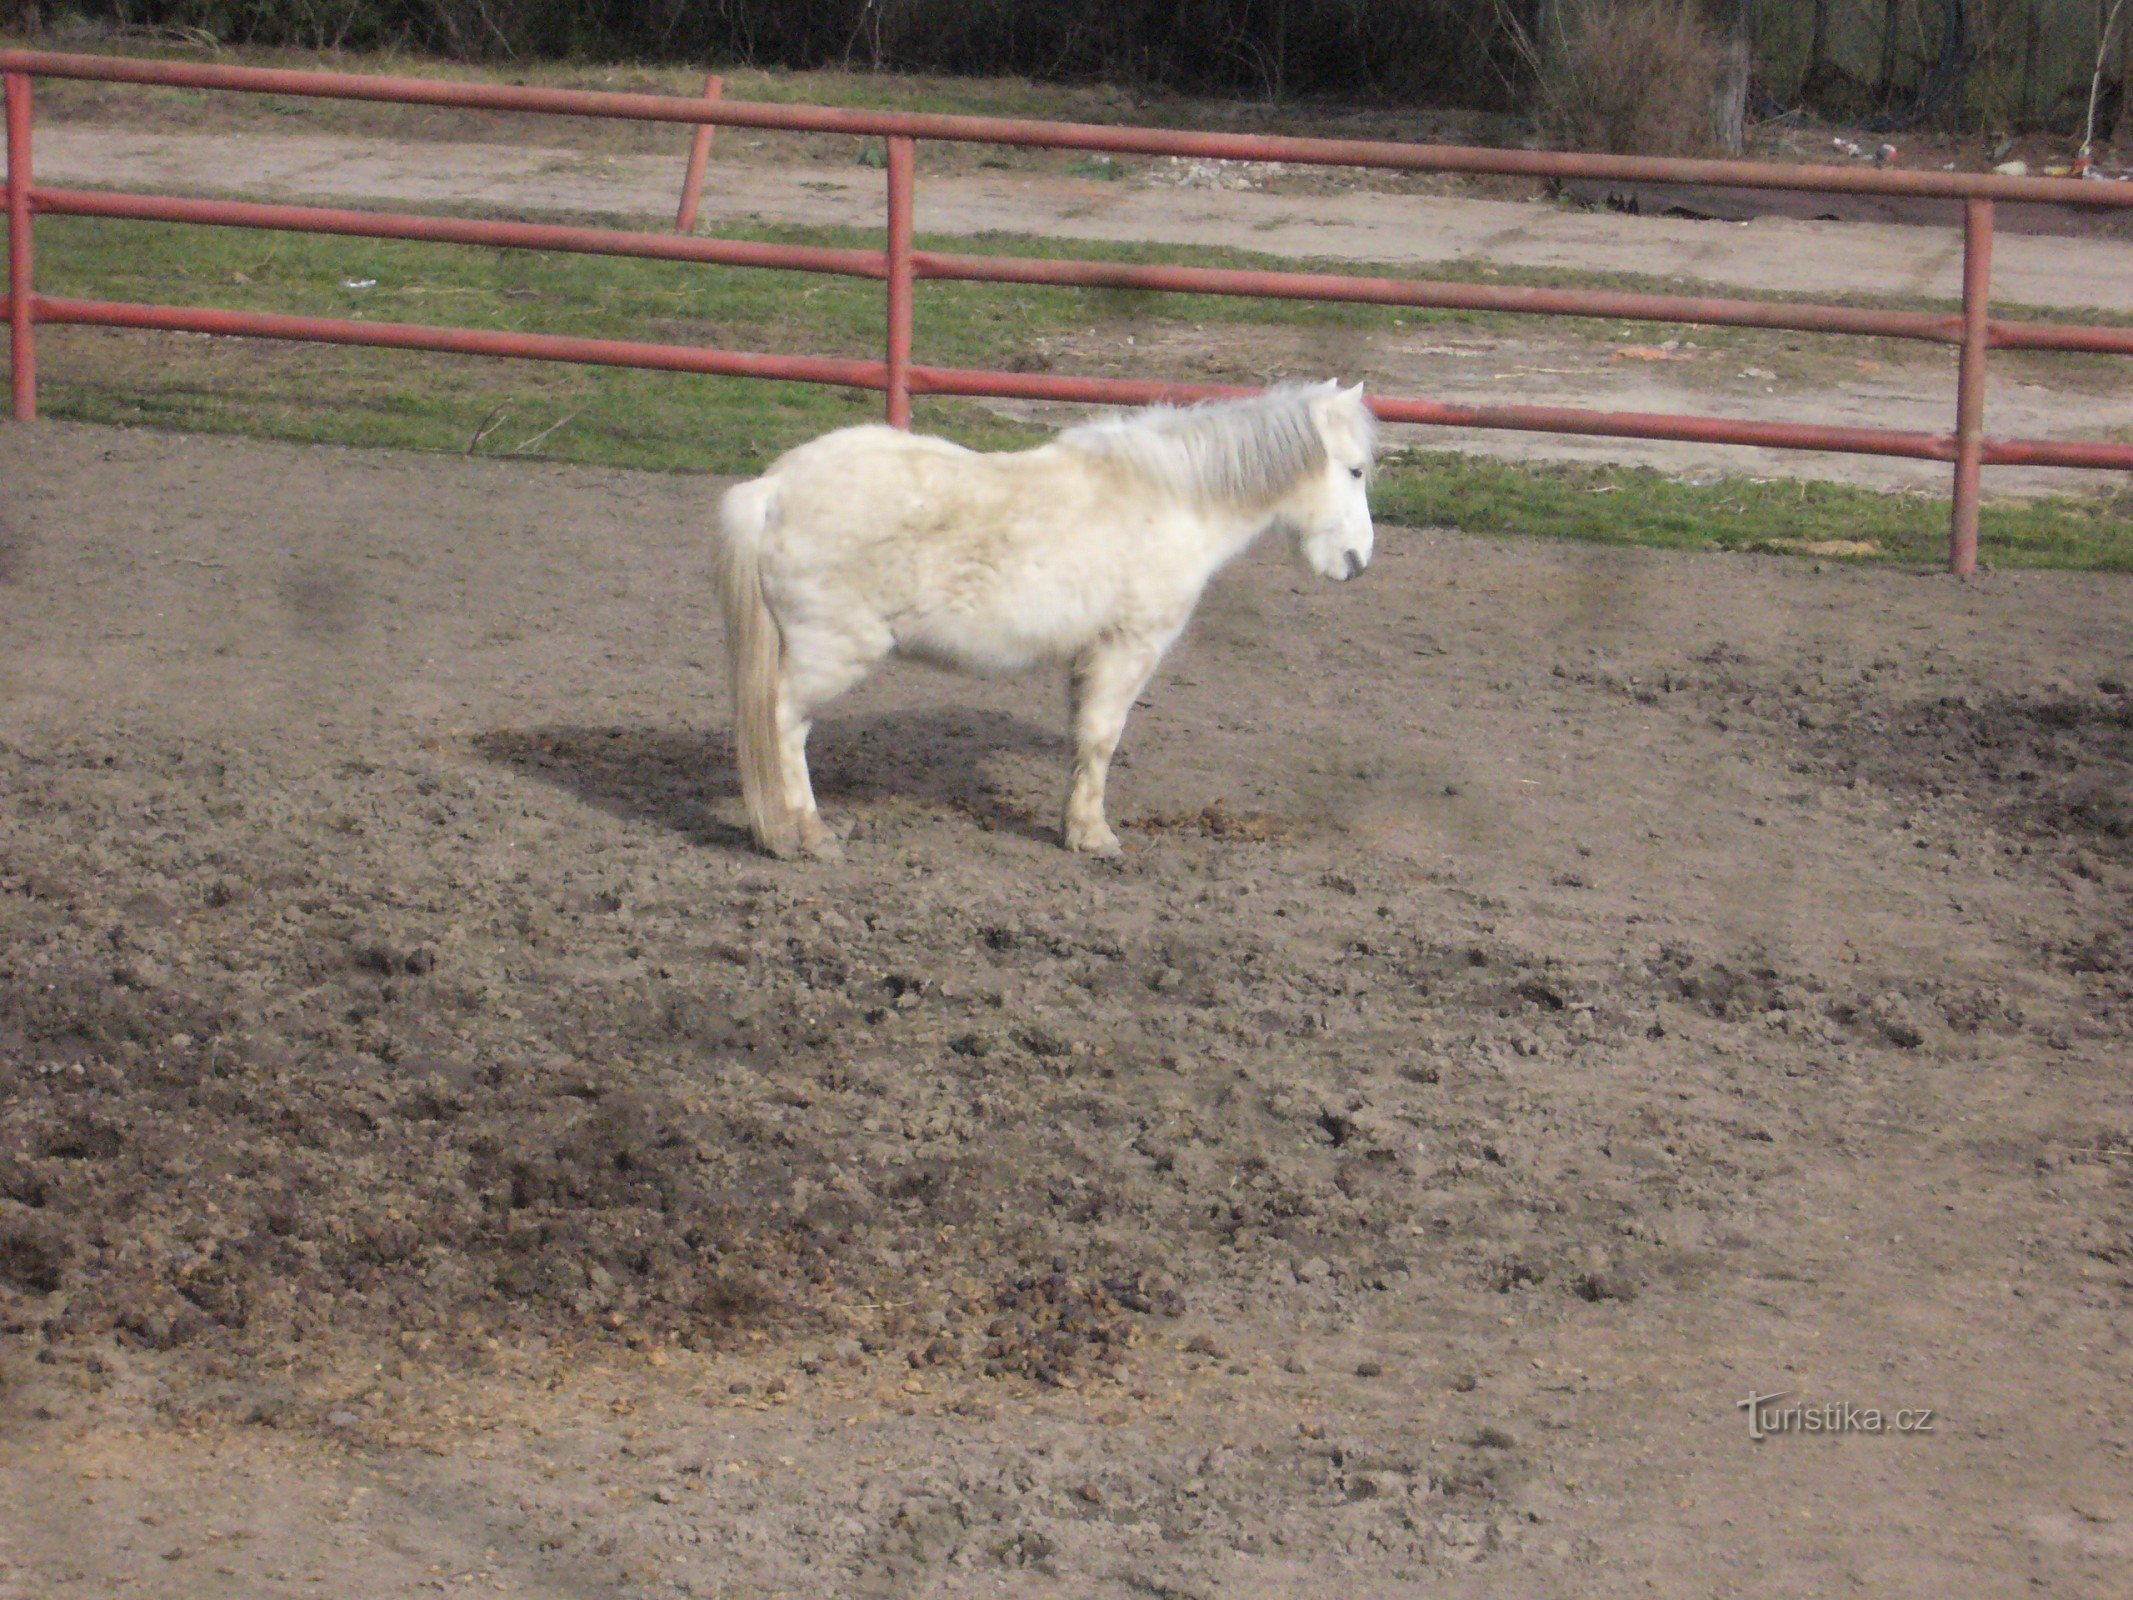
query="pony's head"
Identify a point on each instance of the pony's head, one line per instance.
(1297, 457)
(1328, 509)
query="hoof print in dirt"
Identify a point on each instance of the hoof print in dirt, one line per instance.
(1604, 1284)
(33, 1257)
(1061, 1330)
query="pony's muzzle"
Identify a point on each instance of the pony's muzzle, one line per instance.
(1355, 565)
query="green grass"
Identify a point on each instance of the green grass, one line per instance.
(1635, 505)
(332, 395)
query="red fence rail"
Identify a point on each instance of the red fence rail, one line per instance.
(900, 265)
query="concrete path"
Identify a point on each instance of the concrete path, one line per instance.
(1776, 254)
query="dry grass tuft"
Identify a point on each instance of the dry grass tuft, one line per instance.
(1635, 77)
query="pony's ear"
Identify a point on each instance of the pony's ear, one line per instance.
(1353, 392)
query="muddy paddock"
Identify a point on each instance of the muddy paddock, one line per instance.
(1550, 994)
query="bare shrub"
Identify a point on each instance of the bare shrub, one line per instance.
(1636, 77)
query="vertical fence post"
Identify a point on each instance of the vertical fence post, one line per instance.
(1970, 384)
(900, 177)
(692, 183)
(21, 336)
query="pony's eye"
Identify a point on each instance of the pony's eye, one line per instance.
(1355, 472)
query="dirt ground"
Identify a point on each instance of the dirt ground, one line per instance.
(1551, 993)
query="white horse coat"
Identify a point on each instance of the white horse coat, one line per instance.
(1092, 549)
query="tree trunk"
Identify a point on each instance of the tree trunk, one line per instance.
(2119, 103)
(2110, 86)
(1544, 28)
(1729, 95)
(1891, 21)
(2032, 47)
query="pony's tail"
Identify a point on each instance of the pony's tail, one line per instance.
(753, 649)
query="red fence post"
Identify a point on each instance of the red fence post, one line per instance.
(900, 180)
(21, 335)
(1970, 385)
(692, 183)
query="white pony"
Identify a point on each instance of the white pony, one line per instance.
(1092, 549)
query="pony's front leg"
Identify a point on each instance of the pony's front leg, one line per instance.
(1107, 676)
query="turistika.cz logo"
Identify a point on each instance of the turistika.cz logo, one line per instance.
(1767, 1418)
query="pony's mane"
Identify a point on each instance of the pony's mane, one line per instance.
(1236, 452)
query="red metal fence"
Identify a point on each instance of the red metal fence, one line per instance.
(899, 265)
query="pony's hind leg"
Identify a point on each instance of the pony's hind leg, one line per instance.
(815, 673)
(814, 835)
(1107, 677)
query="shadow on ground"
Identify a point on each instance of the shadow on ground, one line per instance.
(686, 780)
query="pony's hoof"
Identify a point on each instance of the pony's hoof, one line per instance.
(821, 844)
(1096, 842)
